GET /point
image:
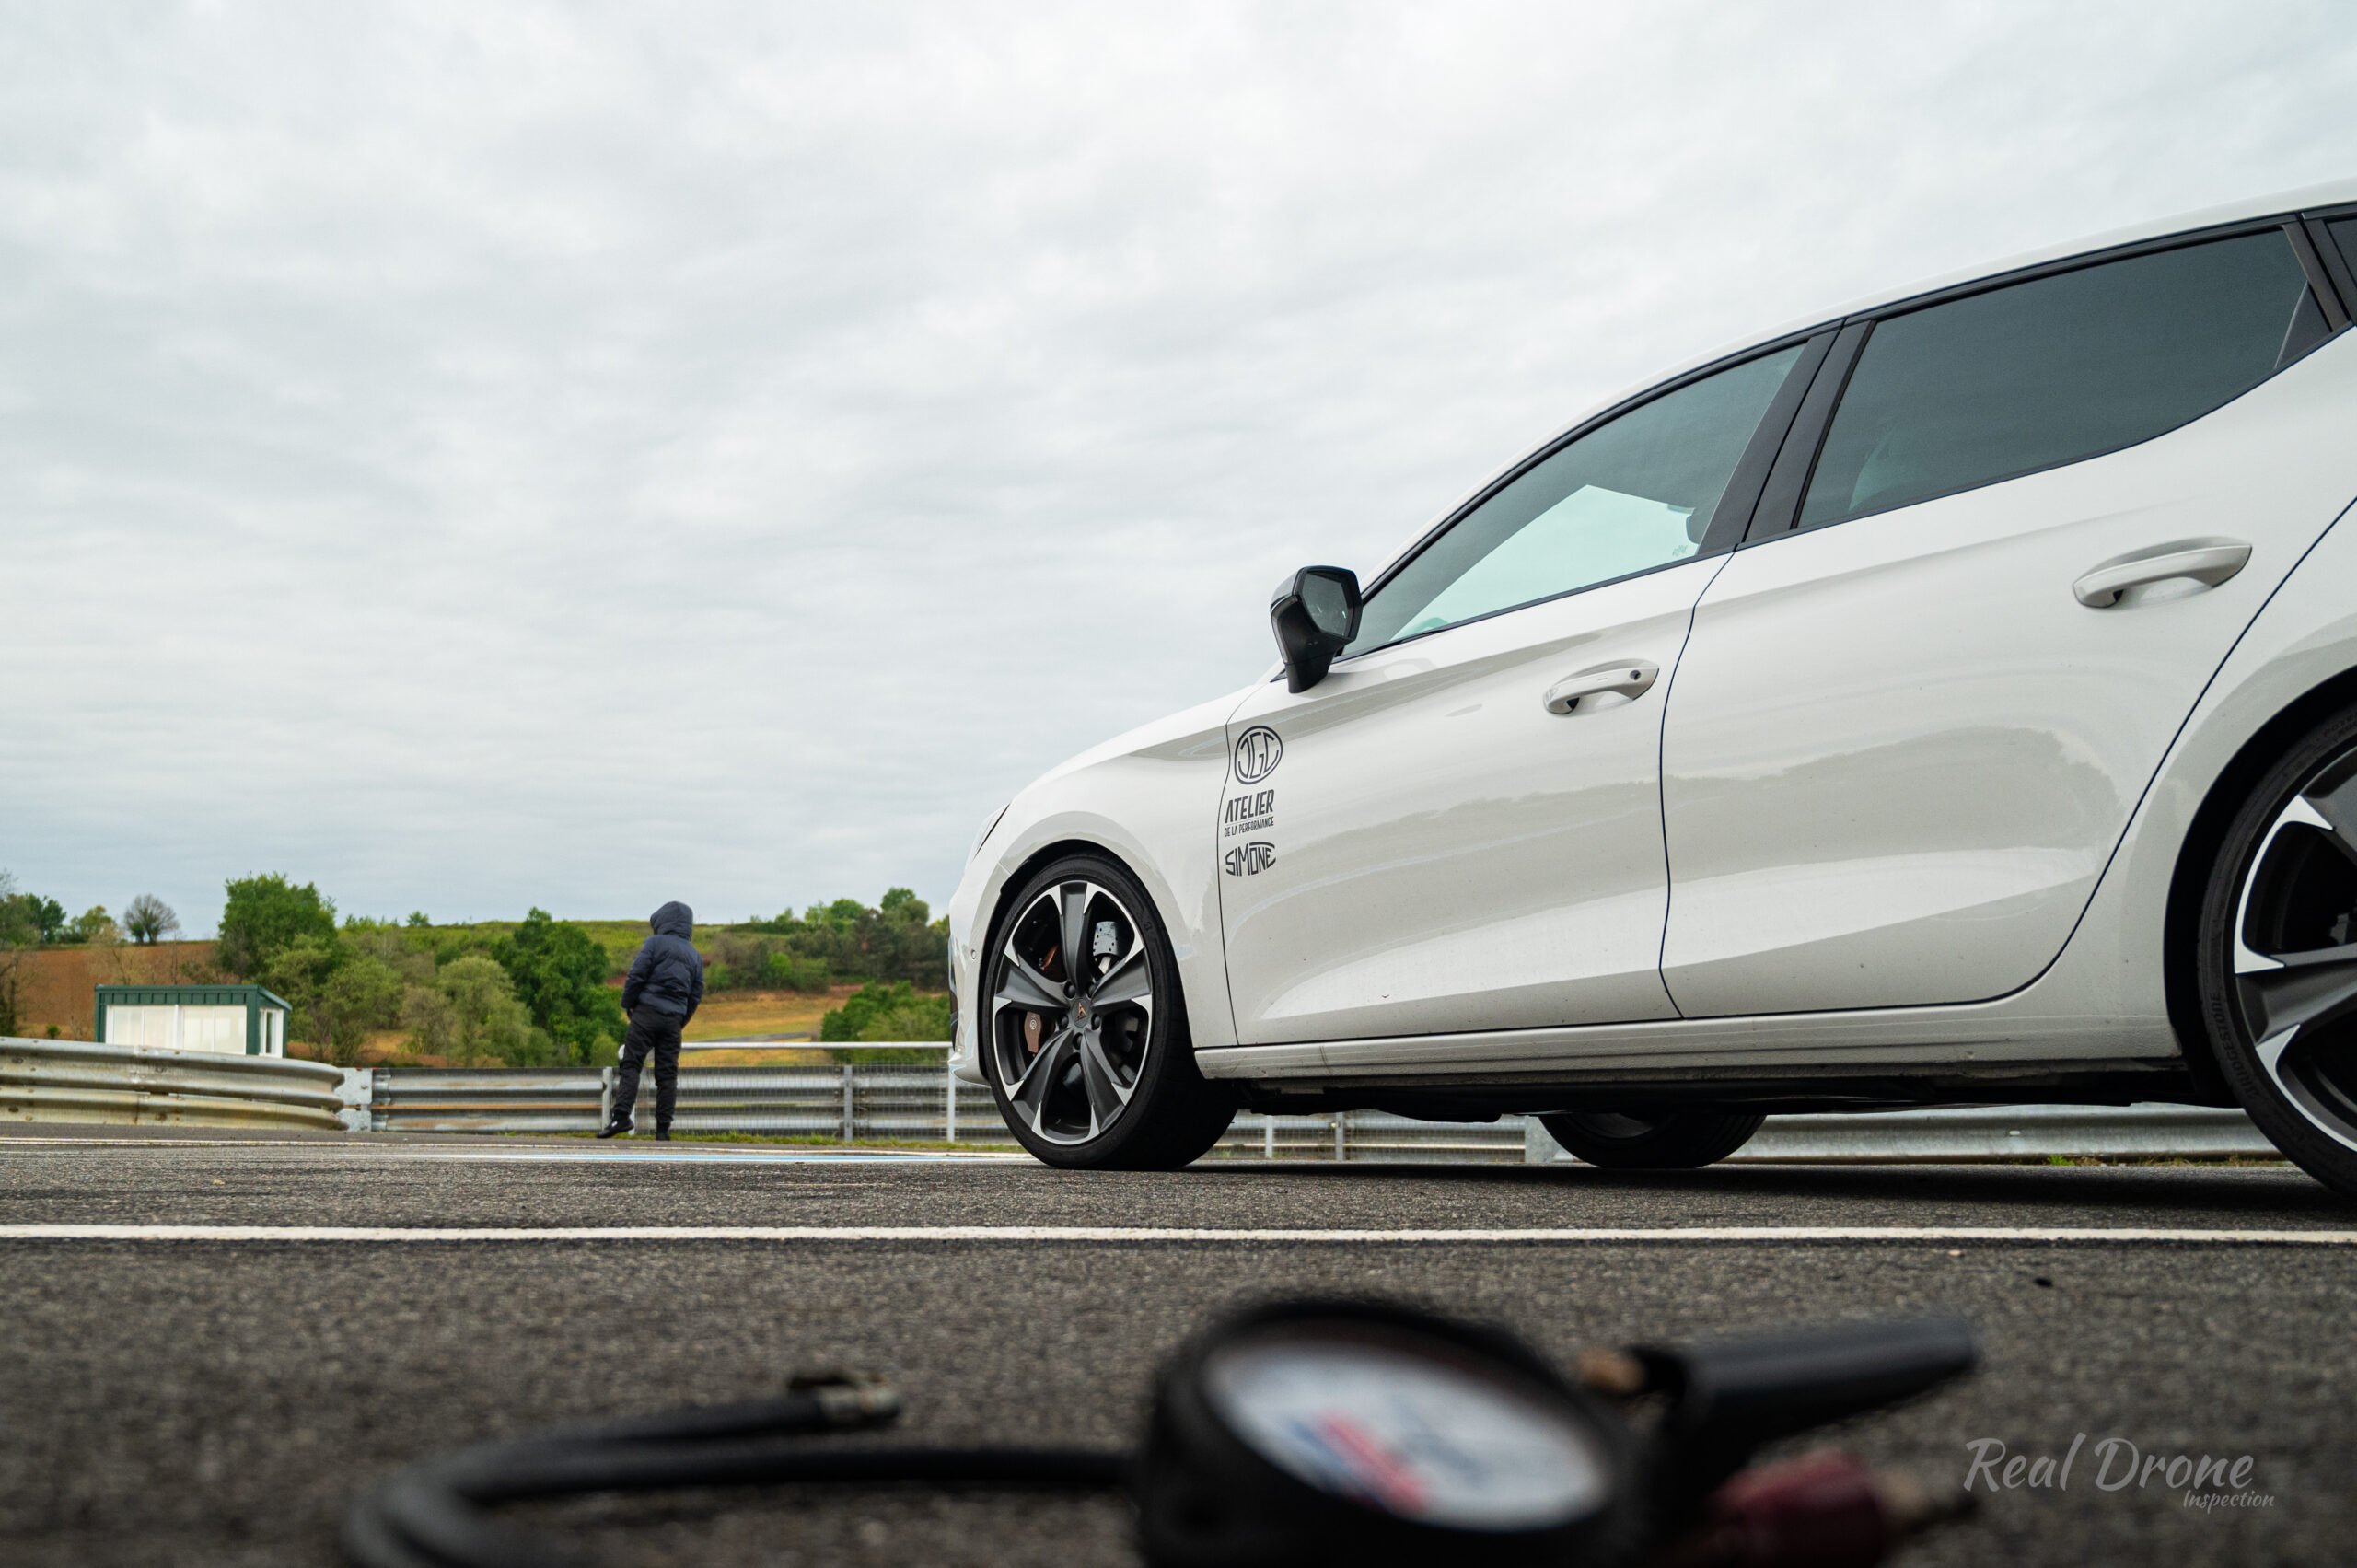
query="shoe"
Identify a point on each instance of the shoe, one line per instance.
(615, 1128)
(662, 1133)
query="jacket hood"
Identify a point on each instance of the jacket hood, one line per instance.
(675, 919)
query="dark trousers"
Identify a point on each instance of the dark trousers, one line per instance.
(658, 1032)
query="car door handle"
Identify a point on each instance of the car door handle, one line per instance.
(2207, 560)
(1631, 679)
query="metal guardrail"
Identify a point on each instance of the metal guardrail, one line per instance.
(849, 1103)
(49, 1080)
(72, 1080)
(486, 1099)
(856, 1102)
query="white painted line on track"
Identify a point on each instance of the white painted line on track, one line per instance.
(1123, 1234)
(698, 1156)
(724, 1154)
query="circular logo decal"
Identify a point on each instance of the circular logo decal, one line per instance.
(1257, 752)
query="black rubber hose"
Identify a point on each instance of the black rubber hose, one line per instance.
(435, 1515)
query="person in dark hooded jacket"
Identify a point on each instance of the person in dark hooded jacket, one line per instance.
(664, 985)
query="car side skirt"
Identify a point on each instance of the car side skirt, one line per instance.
(1903, 1038)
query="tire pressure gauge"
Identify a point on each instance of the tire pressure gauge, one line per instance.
(1354, 1433)
(1343, 1431)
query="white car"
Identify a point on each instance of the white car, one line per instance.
(1953, 700)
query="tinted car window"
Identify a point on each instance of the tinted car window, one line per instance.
(1626, 497)
(2058, 369)
(2344, 234)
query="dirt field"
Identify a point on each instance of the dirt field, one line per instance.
(57, 982)
(728, 1013)
(736, 1012)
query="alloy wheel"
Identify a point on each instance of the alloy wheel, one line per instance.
(2295, 949)
(1072, 1012)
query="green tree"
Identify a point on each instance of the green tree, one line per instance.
(340, 995)
(470, 1012)
(19, 915)
(404, 952)
(20, 928)
(265, 914)
(27, 918)
(897, 940)
(559, 973)
(93, 923)
(363, 995)
(737, 960)
(147, 918)
(52, 916)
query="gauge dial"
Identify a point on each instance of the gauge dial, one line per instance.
(1416, 1428)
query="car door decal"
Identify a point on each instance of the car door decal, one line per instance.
(1257, 752)
(1250, 860)
(1246, 814)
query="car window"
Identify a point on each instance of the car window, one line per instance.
(2058, 369)
(2344, 234)
(1626, 497)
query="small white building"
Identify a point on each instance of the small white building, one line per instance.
(237, 1021)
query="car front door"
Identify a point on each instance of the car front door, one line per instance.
(1459, 828)
(1918, 706)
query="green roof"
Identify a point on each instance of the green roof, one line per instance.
(190, 995)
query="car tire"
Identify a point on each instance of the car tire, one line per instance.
(1093, 1067)
(2276, 960)
(1678, 1140)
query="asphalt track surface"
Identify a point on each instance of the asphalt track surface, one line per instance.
(185, 1397)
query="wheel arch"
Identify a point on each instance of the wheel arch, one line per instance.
(1022, 872)
(2199, 849)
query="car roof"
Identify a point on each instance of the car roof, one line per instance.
(2332, 193)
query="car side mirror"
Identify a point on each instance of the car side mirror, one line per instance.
(1315, 613)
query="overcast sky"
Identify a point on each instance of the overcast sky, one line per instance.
(484, 455)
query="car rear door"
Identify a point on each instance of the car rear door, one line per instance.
(1441, 836)
(1919, 705)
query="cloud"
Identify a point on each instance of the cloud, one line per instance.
(577, 455)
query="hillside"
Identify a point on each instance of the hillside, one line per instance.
(55, 984)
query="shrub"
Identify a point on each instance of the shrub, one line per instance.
(787, 972)
(897, 940)
(470, 1013)
(733, 962)
(338, 992)
(887, 1012)
(738, 961)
